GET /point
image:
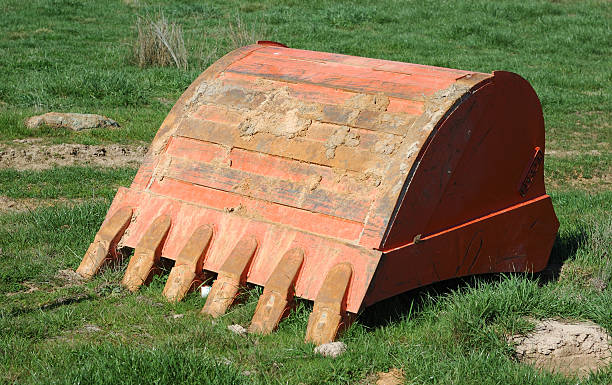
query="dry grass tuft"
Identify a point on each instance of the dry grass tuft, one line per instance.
(224, 38)
(241, 34)
(159, 43)
(208, 50)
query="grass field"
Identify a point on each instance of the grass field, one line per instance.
(71, 55)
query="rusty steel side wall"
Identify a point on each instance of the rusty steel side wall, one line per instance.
(516, 239)
(475, 162)
(400, 173)
(476, 202)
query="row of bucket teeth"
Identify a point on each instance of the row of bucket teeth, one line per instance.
(329, 311)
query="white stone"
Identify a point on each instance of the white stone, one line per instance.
(332, 349)
(238, 329)
(204, 291)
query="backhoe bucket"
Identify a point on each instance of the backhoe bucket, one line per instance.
(337, 179)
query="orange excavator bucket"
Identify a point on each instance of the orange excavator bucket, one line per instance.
(337, 179)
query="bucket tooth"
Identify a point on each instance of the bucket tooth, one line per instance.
(104, 246)
(231, 277)
(277, 298)
(188, 266)
(146, 254)
(329, 311)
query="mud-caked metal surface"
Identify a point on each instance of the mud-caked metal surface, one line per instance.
(334, 178)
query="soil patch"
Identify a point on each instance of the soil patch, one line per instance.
(69, 277)
(393, 377)
(72, 336)
(595, 183)
(11, 205)
(35, 156)
(570, 153)
(31, 288)
(63, 278)
(570, 348)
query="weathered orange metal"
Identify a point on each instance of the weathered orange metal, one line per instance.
(329, 311)
(232, 276)
(143, 263)
(277, 298)
(338, 179)
(104, 246)
(187, 270)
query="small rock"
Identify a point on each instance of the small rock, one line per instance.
(237, 329)
(205, 290)
(73, 121)
(178, 316)
(332, 349)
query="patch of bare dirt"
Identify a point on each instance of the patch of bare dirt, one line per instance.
(63, 278)
(69, 277)
(9, 204)
(68, 337)
(31, 287)
(393, 377)
(569, 153)
(31, 155)
(569, 348)
(600, 183)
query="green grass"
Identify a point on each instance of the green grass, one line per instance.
(69, 59)
(590, 172)
(73, 55)
(449, 334)
(138, 125)
(65, 182)
(36, 245)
